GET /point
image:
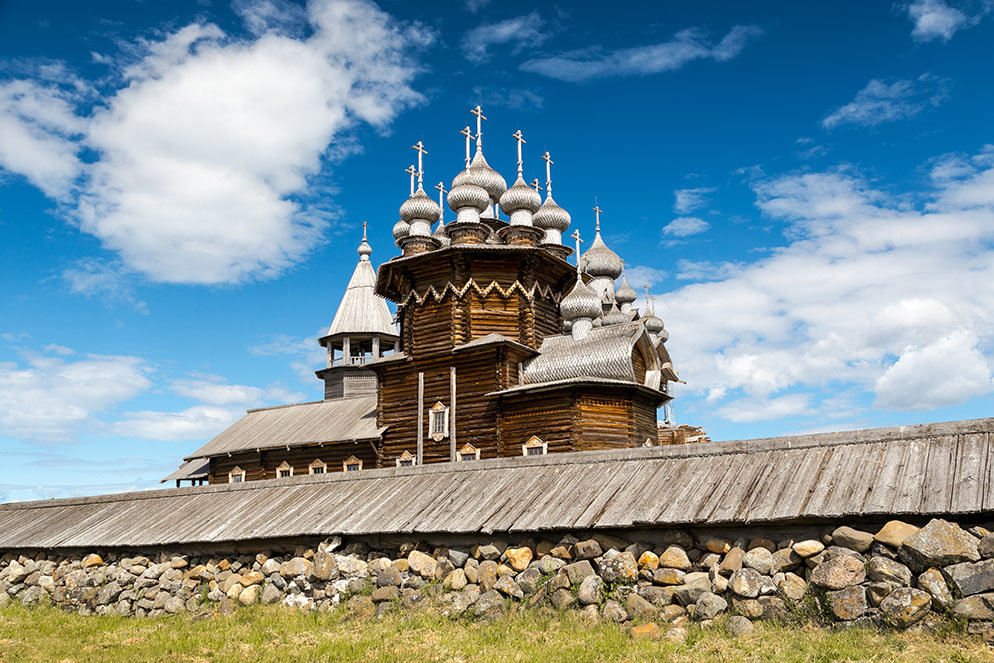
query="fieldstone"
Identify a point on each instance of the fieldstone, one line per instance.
(759, 558)
(562, 599)
(894, 533)
(672, 612)
(774, 608)
(970, 578)
(933, 582)
(487, 575)
(519, 558)
(48, 583)
(389, 577)
(621, 568)
(549, 564)
(719, 583)
(360, 606)
(688, 594)
(456, 580)
(677, 635)
(746, 582)
(590, 590)
(614, 612)
(732, 561)
(905, 606)
(608, 542)
(986, 546)
(488, 551)
(250, 595)
(562, 552)
(382, 594)
(808, 547)
(648, 560)
(638, 607)
(838, 573)
(529, 579)
(717, 545)
(939, 543)
(648, 631)
(854, 539)
(351, 566)
(472, 570)
(33, 596)
(739, 626)
(659, 596)
(785, 560)
(709, 561)
(975, 608)
(92, 560)
(298, 566)
(762, 543)
(668, 576)
(422, 564)
(588, 549)
(674, 557)
(748, 608)
(577, 571)
(881, 569)
(848, 604)
(709, 606)
(252, 578)
(325, 566)
(4, 599)
(270, 594)
(506, 585)
(878, 591)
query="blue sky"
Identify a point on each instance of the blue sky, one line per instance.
(808, 189)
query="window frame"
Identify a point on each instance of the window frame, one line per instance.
(284, 467)
(352, 460)
(315, 464)
(406, 459)
(534, 442)
(467, 450)
(438, 410)
(236, 471)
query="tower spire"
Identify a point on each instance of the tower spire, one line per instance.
(548, 173)
(478, 112)
(420, 148)
(521, 141)
(410, 171)
(468, 133)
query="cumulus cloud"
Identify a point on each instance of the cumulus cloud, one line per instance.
(870, 294)
(685, 46)
(520, 32)
(48, 398)
(935, 19)
(107, 281)
(206, 145)
(687, 200)
(749, 410)
(685, 226)
(881, 102)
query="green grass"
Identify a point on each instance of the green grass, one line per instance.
(275, 634)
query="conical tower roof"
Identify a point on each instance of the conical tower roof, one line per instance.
(362, 311)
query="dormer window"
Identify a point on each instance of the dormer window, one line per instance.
(406, 460)
(318, 467)
(468, 452)
(438, 422)
(236, 475)
(351, 464)
(534, 447)
(284, 471)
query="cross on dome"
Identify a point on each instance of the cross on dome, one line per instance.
(441, 192)
(478, 112)
(410, 171)
(535, 185)
(521, 141)
(576, 236)
(469, 136)
(420, 148)
(597, 211)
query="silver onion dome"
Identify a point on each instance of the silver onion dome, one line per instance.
(581, 302)
(520, 197)
(420, 207)
(625, 294)
(465, 194)
(652, 324)
(440, 234)
(481, 174)
(614, 316)
(600, 261)
(550, 216)
(364, 250)
(401, 229)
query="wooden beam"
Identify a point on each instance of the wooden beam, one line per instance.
(452, 414)
(421, 416)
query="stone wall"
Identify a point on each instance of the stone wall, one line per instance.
(896, 575)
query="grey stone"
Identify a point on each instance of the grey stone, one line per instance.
(325, 566)
(486, 574)
(878, 591)
(848, 604)
(529, 579)
(739, 626)
(614, 612)
(549, 564)
(590, 590)
(975, 608)
(659, 596)
(488, 551)
(689, 593)
(668, 576)
(774, 608)
(748, 608)
(785, 560)
(443, 567)
(620, 568)
(458, 556)
(588, 549)
(638, 607)
(270, 594)
(34, 596)
(709, 606)
(174, 605)
(792, 586)
(939, 543)
(882, 569)
(854, 539)
(389, 577)
(986, 546)
(838, 573)
(382, 594)
(905, 606)
(562, 599)
(506, 585)
(934, 583)
(746, 582)
(759, 559)
(298, 566)
(969, 578)
(577, 571)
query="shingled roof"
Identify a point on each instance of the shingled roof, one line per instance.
(606, 352)
(913, 471)
(362, 311)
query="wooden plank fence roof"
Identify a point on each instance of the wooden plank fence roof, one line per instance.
(926, 470)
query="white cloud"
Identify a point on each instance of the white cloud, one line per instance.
(110, 282)
(306, 356)
(521, 32)
(685, 46)
(868, 290)
(748, 410)
(474, 6)
(935, 19)
(881, 102)
(685, 226)
(687, 200)
(948, 371)
(208, 147)
(49, 398)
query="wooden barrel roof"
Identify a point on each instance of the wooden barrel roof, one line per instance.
(926, 470)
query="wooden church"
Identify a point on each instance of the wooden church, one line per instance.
(499, 347)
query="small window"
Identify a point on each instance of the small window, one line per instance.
(438, 422)
(534, 447)
(284, 471)
(352, 464)
(318, 467)
(406, 460)
(236, 475)
(468, 452)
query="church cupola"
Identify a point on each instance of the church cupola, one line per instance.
(581, 306)
(603, 264)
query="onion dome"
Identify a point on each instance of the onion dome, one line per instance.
(364, 249)
(580, 303)
(625, 294)
(520, 197)
(600, 261)
(614, 316)
(550, 216)
(420, 207)
(440, 234)
(481, 174)
(488, 213)
(465, 194)
(652, 324)
(400, 229)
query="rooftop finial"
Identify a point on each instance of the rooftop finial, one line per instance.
(467, 132)
(410, 171)
(646, 287)
(548, 172)
(364, 249)
(521, 141)
(535, 185)
(576, 236)
(364, 231)
(478, 112)
(441, 192)
(419, 146)
(652, 299)
(597, 211)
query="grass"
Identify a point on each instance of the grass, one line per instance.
(278, 635)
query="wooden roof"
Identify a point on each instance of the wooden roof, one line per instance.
(606, 352)
(926, 470)
(338, 420)
(362, 311)
(198, 468)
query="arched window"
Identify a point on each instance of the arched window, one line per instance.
(438, 422)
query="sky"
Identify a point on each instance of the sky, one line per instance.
(807, 189)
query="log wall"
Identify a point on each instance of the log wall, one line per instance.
(262, 465)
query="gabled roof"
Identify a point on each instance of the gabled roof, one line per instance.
(339, 420)
(191, 469)
(606, 352)
(494, 339)
(362, 311)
